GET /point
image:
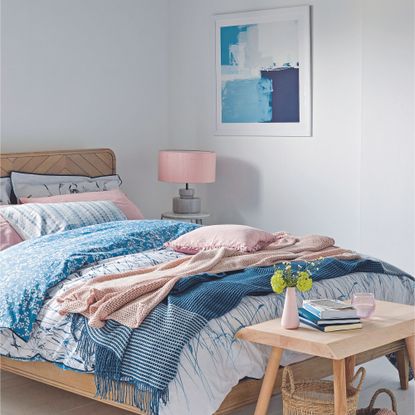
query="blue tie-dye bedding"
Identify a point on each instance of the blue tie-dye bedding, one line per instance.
(29, 269)
(212, 349)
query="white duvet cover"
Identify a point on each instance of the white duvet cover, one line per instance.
(214, 361)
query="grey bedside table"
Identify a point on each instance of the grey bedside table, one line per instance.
(192, 217)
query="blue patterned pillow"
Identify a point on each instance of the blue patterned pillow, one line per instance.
(5, 190)
(37, 219)
(42, 185)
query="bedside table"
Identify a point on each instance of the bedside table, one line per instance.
(192, 217)
(391, 328)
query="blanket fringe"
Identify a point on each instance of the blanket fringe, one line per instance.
(131, 392)
(110, 384)
(85, 346)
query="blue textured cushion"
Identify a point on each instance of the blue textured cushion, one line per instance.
(37, 219)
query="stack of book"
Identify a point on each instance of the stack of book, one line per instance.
(329, 315)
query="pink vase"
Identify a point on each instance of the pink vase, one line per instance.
(289, 319)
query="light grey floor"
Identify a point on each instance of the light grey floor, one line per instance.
(20, 396)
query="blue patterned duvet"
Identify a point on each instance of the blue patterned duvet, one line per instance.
(29, 269)
(197, 388)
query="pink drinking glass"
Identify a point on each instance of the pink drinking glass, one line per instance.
(364, 303)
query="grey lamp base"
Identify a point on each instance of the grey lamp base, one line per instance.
(188, 205)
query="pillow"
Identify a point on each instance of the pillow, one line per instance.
(238, 237)
(36, 219)
(41, 185)
(130, 210)
(5, 190)
(8, 235)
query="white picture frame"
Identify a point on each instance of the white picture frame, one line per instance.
(290, 19)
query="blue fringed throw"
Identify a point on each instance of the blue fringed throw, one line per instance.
(135, 366)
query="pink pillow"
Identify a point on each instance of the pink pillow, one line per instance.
(117, 196)
(238, 237)
(8, 236)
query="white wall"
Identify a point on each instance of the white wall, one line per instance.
(302, 185)
(387, 183)
(89, 73)
(138, 75)
(334, 182)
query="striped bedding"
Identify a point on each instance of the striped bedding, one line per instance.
(37, 219)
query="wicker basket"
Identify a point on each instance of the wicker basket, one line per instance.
(370, 410)
(315, 397)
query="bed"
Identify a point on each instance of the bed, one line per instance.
(228, 394)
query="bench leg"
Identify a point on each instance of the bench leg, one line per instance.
(402, 364)
(410, 349)
(350, 363)
(268, 383)
(339, 379)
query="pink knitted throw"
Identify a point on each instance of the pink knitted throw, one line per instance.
(130, 296)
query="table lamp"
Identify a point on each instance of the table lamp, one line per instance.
(186, 166)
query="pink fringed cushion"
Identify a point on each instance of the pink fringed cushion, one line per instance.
(237, 237)
(116, 196)
(8, 236)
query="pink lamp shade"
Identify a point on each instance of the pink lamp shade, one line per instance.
(187, 166)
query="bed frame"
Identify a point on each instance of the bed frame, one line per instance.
(95, 162)
(98, 162)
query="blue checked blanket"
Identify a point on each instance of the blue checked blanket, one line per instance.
(29, 269)
(135, 366)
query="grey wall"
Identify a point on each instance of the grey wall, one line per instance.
(354, 178)
(138, 75)
(387, 160)
(89, 73)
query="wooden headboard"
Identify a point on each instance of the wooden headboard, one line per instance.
(91, 162)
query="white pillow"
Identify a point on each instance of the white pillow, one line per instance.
(36, 219)
(5, 190)
(41, 185)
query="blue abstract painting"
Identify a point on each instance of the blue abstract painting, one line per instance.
(260, 73)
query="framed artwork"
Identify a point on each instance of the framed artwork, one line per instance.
(263, 73)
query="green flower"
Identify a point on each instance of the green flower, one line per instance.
(277, 282)
(304, 283)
